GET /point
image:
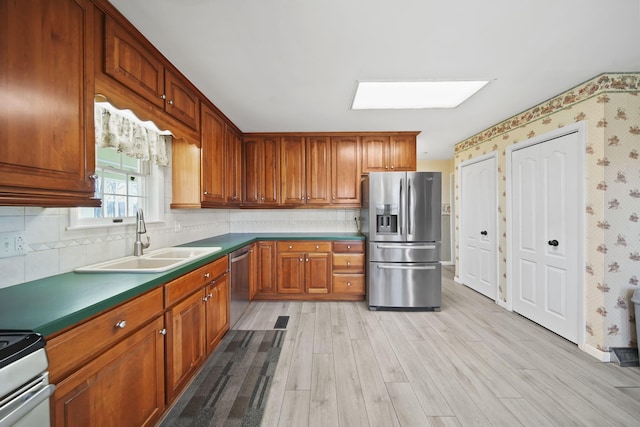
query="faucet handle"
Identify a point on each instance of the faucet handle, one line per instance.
(146, 245)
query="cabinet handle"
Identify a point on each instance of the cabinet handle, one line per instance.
(207, 275)
(348, 283)
(205, 299)
(209, 295)
(163, 331)
(170, 102)
(163, 96)
(93, 176)
(121, 324)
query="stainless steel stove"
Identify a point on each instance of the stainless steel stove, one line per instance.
(24, 380)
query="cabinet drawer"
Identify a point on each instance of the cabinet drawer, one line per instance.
(183, 286)
(304, 246)
(348, 284)
(348, 263)
(348, 247)
(68, 350)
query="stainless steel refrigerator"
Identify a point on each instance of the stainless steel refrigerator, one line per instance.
(401, 219)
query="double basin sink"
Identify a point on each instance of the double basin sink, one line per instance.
(156, 261)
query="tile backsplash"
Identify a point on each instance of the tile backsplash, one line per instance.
(54, 249)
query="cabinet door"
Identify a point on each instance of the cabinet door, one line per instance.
(402, 151)
(128, 61)
(375, 153)
(292, 171)
(266, 275)
(291, 273)
(47, 142)
(252, 177)
(181, 100)
(124, 386)
(185, 341)
(213, 156)
(345, 170)
(217, 311)
(318, 161)
(233, 175)
(270, 171)
(253, 271)
(318, 273)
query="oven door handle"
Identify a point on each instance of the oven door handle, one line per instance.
(405, 267)
(383, 246)
(30, 400)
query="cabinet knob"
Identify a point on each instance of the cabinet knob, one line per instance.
(302, 198)
(307, 197)
(93, 176)
(163, 331)
(317, 246)
(262, 198)
(307, 259)
(163, 96)
(348, 263)
(209, 295)
(386, 167)
(348, 283)
(348, 246)
(121, 324)
(290, 247)
(207, 275)
(391, 167)
(170, 102)
(206, 192)
(205, 299)
(301, 260)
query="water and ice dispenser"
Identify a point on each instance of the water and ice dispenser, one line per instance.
(387, 219)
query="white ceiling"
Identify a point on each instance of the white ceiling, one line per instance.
(292, 65)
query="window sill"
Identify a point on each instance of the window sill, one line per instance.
(110, 225)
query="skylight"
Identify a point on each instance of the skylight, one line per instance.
(413, 95)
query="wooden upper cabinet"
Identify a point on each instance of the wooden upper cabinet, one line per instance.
(388, 153)
(345, 170)
(129, 62)
(213, 157)
(262, 171)
(47, 143)
(292, 171)
(402, 152)
(181, 100)
(318, 176)
(136, 65)
(233, 175)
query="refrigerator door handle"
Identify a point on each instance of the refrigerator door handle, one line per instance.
(396, 246)
(405, 267)
(409, 207)
(401, 209)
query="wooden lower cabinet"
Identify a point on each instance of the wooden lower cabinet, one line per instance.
(266, 269)
(185, 341)
(310, 270)
(216, 311)
(124, 386)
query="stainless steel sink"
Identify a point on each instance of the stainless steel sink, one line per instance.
(155, 261)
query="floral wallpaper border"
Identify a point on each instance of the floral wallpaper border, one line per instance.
(605, 82)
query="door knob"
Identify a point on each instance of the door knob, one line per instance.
(484, 233)
(553, 243)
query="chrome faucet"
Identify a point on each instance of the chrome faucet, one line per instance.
(141, 229)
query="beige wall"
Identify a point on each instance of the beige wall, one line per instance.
(610, 106)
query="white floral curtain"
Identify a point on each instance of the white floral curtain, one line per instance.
(129, 136)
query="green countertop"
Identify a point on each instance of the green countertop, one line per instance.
(54, 303)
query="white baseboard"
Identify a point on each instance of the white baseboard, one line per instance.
(447, 263)
(603, 356)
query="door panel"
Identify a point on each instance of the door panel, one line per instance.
(545, 216)
(478, 227)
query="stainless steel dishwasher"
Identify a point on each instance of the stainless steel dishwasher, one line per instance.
(239, 266)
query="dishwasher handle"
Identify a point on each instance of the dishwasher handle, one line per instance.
(240, 256)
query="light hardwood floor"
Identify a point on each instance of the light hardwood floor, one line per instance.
(473, 363)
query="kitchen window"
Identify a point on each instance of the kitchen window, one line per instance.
(129, 173)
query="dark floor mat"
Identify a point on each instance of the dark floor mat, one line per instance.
(282, 322)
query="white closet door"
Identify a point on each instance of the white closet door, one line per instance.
(478, 227)
(546, 213)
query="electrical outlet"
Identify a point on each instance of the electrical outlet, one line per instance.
(12, 244)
